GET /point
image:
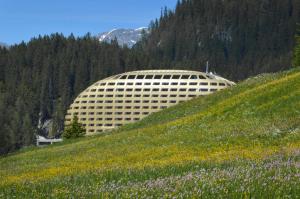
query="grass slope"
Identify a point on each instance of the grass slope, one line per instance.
(240, 142)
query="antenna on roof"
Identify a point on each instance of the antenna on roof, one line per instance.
(207, 69)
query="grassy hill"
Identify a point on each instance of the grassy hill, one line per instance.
(240, 142)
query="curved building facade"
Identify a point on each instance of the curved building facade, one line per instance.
(131, 96)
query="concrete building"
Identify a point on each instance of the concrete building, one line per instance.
(131, 96)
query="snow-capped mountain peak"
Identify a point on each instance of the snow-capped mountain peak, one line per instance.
(127, 37)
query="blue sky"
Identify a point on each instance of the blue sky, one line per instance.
(24, 19)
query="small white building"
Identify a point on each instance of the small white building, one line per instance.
(42, 141)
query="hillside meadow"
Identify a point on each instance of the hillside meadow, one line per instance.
(242, 142)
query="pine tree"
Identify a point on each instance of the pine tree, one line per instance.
(74, 130)
(296, 59)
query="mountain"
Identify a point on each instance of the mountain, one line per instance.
(127, 37)
(3, 44)
(240, 142)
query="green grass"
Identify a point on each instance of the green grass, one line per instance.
(240, 142)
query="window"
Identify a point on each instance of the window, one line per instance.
(108, 125)
(128, 101)
(185, 77)
(203, 89)
(155, 89)
(123, 77)
(131, 77)
(203, 83)
(91, 107)
(76, 107)
(111, 83)
(121, 83)
(99, 119)
(120, 89)
(102, 84)
(92, 96)
(136, 113)
(99, 113)
(93, 90)
(154, 107)
(91, 101)
(76, 102)
(119, 95)
(182, 89)
(182, 95)
(129, 89)
(154, 101)
(137, 101)
(140, 77)
(109, 89)
(147, 83)
(193, 83)
(145, 107)
(149, 77)
(201, 77)
(119, 101)
(83, 107)
(163, 101)
(173, 89)
(82, 119)
(83, 113)
(192, 95)
(173, 101)
(99, 125)
(127, 113)
(173, 95)
(109, 96)
(167, 77)
(192, 89)
(174, 83)
(99, 107)
(183, 83)
(108, 119)
(84, 96)
(130, 83)
(101, 89)
(146, 95)
(213, 83)
(164, 89)
(157, 76)
(137, 95)
(136, 119)
(100, 95)
(118, 113)
(119, 119)
(119, 107)
(221, 84)
(127, 119)
(138, 83)
(146, 101)
(83, 102)
(91, 124)
(194, 77)
(165, 83)
(176, 76)
(154, 95)
(164, 95)
(145, 113)
(128, 95)
(136, 107)
(128, 107)
(156, 83)
(91, 119)
(138, 89)
(146, 89)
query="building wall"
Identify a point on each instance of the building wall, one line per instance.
(129, 97)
